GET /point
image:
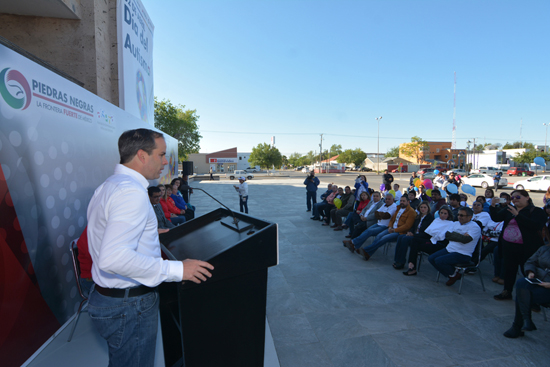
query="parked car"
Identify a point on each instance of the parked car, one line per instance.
(487, 170)
(251, 170)
(459, 172)
(429, 175)
(305, 170)
(366, 169)
(537, 183)
(239, 173)
(519, 171)
(483, 180)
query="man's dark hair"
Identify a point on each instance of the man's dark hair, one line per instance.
(133, 140)
(469, 211)
(406, 197)
(454, 197)
(506, 195)
(152, 190)
(174, 181)
(436, 191)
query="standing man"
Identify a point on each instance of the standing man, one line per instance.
(311, 183)
(496, 180)
(211, 174)
(242, 189)
(387, 179)
(411, 180)
(125, 249)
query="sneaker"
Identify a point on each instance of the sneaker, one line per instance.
(504, 295)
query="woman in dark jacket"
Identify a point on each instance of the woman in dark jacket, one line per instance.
(420, 224)
(527, 294)
(521, 235)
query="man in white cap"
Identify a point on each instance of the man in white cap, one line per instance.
(242, 189)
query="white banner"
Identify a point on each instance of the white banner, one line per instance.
(58, 143)
(135, 60)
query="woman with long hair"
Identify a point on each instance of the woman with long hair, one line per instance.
(521, 235)
(421, 222)
(546, 198)
(174, 214)
(433, 239)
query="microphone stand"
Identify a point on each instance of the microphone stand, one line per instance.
(235, 220)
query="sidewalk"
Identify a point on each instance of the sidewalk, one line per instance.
(328, 307)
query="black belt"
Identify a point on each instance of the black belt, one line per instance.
(119, 293)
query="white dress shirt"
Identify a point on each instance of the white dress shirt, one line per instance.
(123, 237)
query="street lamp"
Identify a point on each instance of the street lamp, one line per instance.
(378, 147)
(545, 124)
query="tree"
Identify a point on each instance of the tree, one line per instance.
(335, 149)
(265, 156)
(355, 156)
(530, 155)
(415, 148)
(295, 159)
(285, 160)
(518, 145)
(392, 152)
(180, 124)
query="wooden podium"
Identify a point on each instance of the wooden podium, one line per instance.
(220, 322)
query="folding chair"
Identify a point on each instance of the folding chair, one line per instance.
(474, 263)
(76, 268)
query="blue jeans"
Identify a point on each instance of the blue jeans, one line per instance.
(311, 198)
(243, 203)
(401, 248)
(129, 325)
(373, 230)
(444, 261)
(86, 286)
(381, 239)
(180, 219)
(318, 208)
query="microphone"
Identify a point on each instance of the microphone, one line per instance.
(235, 220)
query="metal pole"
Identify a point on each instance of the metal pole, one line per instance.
(378, 147)
(546, 136)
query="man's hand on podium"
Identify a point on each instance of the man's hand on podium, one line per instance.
(196, 270)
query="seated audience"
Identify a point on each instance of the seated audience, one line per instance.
(348, 202)
(315, 212)
(171, 212)
(383, 215)
(400, 223)
(417, 232)
(154, 197)
(324, 211)
(180, 203)
(463, 236)
(528, 294)
(353, 218)
(437, 201)
(454, 203)
(366, 218)
(413, 201)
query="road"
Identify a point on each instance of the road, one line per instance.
(374, 180)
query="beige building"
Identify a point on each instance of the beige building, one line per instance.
(75, 38)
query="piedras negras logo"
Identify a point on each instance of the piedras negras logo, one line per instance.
(15, 89)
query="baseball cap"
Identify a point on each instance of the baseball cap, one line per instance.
(242, 178)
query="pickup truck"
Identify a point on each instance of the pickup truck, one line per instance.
(486, 170)
(519, 171)
(239, 173)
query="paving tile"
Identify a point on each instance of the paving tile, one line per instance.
(279, 304)
(277, 284)
(302, 355)
(511, 361)
(460, 308)
(361, 351)
(291, 330)
(335, 325)
(319, 300)
(412, 348)
(461, 344)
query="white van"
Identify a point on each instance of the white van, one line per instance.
(487, 170)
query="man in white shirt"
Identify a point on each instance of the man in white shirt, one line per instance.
(242, 189)
(383, 215)
(125, 249)
(483, 217)
(463, 237)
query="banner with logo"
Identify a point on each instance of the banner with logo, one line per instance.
(58, 143)
(135, 60)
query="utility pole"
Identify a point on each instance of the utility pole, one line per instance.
(520, 137)
(378, 147)
(546, 136)
(320, 154)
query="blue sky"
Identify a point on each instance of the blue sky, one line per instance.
(296, 69)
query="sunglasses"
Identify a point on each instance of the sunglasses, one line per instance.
(517, 197)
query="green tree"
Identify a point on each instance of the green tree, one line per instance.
(392, 152)
(180, 124)
(530, 155)
(294, 159)
(518, 145)
(265, 156)
(415, 148)
(309, 158)
(355, 156)
(285, 160)
(335, 149)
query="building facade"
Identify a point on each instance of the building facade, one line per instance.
(223, 161)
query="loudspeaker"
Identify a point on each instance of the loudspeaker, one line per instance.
(186, 168)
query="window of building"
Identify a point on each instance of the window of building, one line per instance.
(454, 156)
(437, 150)
(446, 156)
(240, 158)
